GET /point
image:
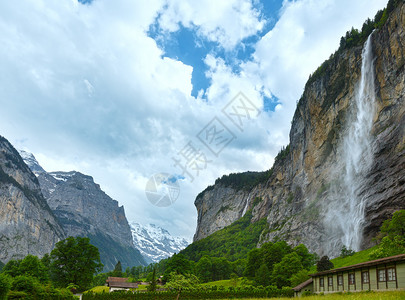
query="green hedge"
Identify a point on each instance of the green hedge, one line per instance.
(230, 293)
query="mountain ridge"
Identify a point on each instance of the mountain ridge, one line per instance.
(156, 243)
(83, 209)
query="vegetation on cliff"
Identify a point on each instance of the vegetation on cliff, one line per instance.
(232, 242)
(354, 38)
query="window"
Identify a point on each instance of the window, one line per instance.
(320, 282)
(340, 279)
(351, 278)
(365, 277)
(391, 274)
(330, 281)
(381, 275)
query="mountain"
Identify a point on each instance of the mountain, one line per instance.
(31, 161)
(343, 172)
(27, 224)
(156, 243)
(83, 209)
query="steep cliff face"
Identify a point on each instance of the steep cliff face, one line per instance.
(344, 171)
(83, 209)
(27, 224)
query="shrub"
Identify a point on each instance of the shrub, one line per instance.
(18, 295)
(25, 284)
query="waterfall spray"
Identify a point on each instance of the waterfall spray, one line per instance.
(346, 212)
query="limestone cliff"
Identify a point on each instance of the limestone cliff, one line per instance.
(27, 224)
(344, 170)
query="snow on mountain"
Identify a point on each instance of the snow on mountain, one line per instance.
(31, 162)
(156, 243)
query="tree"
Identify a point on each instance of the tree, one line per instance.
(273, 253)
(346, 252)
(12, 268)
(32, 266)
(204, 269)
(179, 282)
(307, 259)
(5, 283)
(75, 260)
(153, 282)
(263, 275)
(254, 262)
(391, 237)
(299, 277)
(394, 226)
(178, 263)
(324, 264)
(389, 246)
(117, 270)
(221, 268)
(283, 271)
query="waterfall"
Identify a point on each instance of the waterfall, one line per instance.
(345, 216)
(246, 205)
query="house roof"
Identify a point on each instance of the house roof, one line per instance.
(121, 282)
(396, 258)
(302, 285)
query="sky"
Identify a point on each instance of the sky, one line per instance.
(124, 90)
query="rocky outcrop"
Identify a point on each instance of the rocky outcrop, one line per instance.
(305, 198)
(27, 224)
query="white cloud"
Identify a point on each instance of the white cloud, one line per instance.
(225, 22)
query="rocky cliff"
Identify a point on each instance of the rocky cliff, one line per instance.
(27, 224)
(83, 209)
(343, 172)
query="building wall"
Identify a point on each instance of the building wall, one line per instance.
(358, 284)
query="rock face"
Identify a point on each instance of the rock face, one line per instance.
(27, 224)
(83, 209)
(338, 180)
(156, 243)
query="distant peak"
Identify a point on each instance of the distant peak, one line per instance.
(31, 161)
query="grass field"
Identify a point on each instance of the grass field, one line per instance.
(225, 283)
(99, 289)
(397, 295)
(358, 257)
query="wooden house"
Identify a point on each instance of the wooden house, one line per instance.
(120, 283)
(377, 275)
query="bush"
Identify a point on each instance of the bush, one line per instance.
(18, 295)
(5, 283)
(25, 284)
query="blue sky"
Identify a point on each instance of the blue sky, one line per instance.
(191, 48)
(120, 90)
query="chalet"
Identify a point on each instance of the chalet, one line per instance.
(381, 274)
(120, 283)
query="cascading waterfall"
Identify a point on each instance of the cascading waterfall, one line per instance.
(246, 205)
(345, 215)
